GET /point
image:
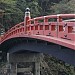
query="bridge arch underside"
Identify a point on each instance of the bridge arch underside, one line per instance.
(16, 45)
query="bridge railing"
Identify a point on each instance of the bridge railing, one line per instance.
(51, 25)
(17, 29)
(41, 26)
(66, 30)
(58, 28)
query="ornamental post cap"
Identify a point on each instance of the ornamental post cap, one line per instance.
(27, 10)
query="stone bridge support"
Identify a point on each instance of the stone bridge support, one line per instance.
(14, 59)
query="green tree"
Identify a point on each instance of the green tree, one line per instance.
(13, 15)
(64, 6)
(32, 4)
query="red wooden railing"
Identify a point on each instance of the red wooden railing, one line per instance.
(59, 29)
(51, 25)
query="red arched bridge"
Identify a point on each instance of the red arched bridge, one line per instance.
(52, 34)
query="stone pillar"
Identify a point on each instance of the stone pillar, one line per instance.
(8, 58)
(8, 65)
(37, 68)
(13, 69)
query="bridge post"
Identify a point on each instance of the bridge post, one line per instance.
(59, 18)
(37, 68)
(8, 65)
(27, 17)
(11, 67)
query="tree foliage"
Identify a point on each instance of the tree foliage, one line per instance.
(15, 9)
(12, 15)
(64, 6)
